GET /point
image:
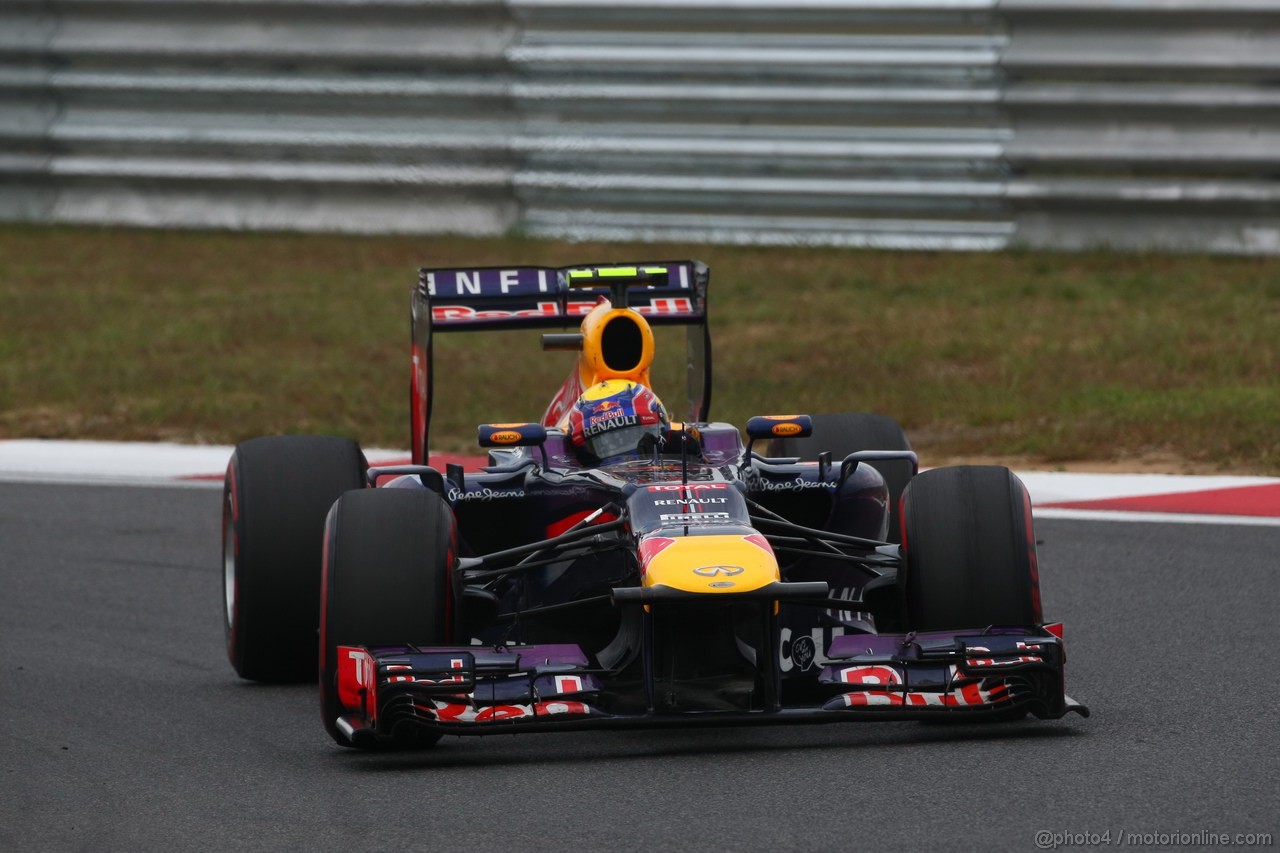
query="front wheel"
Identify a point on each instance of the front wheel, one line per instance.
(274, 499)
(386, 582)
(970, 551)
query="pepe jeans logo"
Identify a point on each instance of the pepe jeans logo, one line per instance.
(712, 571)
(485, 494)
(796, 485)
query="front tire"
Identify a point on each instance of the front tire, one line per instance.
(274, 500)
(970, 551)
(386, 582)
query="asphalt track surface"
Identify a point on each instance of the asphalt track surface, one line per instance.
(124, 727)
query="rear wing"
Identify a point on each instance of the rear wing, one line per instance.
(479, 298)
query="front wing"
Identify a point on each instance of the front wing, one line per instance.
(474, 690)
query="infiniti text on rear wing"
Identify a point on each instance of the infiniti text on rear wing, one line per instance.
(479, 298)
(461, 299)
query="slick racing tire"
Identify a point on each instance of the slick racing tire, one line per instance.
(389, 555)
(970, 551)
(846, 432)
(274, 500)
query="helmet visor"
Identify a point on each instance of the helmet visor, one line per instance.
(624, 442)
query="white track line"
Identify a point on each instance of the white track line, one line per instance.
(174, 465)
(1160, 517)
(1062, 487)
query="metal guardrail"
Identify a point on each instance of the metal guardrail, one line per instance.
(1144, 123)
(955, 124)
(843, 123)
(318, 114)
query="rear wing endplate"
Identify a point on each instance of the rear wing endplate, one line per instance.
(479, 298)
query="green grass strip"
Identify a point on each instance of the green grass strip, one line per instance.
(1034, 357)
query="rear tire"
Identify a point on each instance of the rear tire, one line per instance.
(847, 432)
(389, 556)
(970, 551)
(274, 500)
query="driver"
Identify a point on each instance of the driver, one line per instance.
(617, 420)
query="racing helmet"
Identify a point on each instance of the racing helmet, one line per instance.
(615, 420)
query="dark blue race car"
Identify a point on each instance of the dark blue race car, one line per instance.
(617, 565)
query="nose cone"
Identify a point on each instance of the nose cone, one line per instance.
(708, 564)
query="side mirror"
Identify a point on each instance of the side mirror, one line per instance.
(512, 435)
(779, 426)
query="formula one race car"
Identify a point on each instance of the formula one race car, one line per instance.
(612, 566)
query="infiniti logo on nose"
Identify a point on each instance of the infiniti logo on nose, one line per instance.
(712, 571)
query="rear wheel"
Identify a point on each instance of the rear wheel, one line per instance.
(846, 432)
(274, 500)
(970, 551)
(389, 554)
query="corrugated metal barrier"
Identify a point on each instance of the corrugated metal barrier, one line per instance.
(1144, 123)
(948, 124)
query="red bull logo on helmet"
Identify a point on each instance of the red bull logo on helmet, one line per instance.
(613, 404)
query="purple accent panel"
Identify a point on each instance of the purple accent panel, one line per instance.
(551, 654)
(850, 645)
(431, 662)
(721, 446)
(557, 444)
(530, 656)
(515, 690)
